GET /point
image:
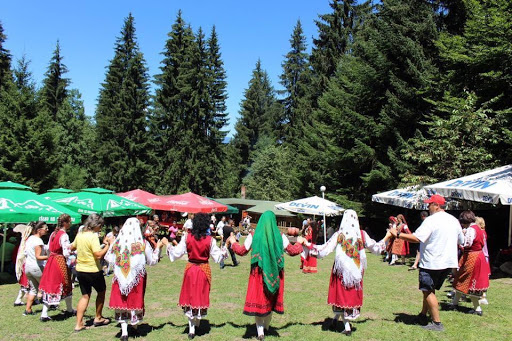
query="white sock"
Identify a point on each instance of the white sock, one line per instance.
(21, 293)
(266, 321)
(393, 259)
(69, 302)
(44, 313)
(476, 303)
(260, 326)
(456, 298)
(191, 326)
(124, 328)
(346, 323)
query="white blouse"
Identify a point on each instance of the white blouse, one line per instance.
(248, 242)
(325, 249)
(176, 252)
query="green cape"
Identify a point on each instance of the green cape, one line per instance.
(267, 250)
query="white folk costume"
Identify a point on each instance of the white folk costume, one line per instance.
(346, 283)
(127, 254)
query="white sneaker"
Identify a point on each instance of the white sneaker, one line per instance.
(483, 301)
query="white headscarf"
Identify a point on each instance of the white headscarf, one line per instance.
(20, 258)
(130, 259)
(350, 259)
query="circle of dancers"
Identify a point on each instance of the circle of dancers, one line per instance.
(44, 270)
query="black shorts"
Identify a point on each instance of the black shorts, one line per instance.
(431, 280)
(89, 280)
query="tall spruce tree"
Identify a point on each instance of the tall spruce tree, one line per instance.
(296, 79)
(75, 137)
(5, 59)
(259, 118)
(170, 119)
(336, 31)
(55, 86)
(376, 99)
(124, 147)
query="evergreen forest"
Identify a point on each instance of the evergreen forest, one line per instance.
(390, 93)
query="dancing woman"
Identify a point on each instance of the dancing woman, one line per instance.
(20, 267)
(309, 261)
(472, 278)
(346, 283)
(400, 247)
(34, 262)
(128, 258)
(56, 280)
(195, 289)
(265, 289)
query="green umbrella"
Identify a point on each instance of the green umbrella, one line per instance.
(101, 201)
(18, 204)
(56, 193)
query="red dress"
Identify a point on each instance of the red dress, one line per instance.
(56, 280)
(195, 289)
(259, 301)
(473, 274)
(341, 297)
(401, 247)
(131, 306)
(309, 263)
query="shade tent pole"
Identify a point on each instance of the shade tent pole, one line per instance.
(3, 248)
(510, 226)
(322, 189)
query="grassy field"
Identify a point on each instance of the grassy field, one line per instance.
(391, 301)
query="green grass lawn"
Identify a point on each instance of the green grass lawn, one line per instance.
(391, 300)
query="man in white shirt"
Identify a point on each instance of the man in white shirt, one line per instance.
(220, 226)
(439, 235)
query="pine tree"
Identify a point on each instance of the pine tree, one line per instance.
(123, 148)
(376, 99)
(270, 177)
(5, 60)
(75, 137)
(259, 118)
(296, 79)
(170, 119)
(336, 32)
(55, 87)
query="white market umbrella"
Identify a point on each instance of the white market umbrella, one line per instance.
(313, 206)
(492, 187)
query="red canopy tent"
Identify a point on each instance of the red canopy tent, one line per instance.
(148, 199)
(193, 203)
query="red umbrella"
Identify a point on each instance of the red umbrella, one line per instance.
(193, 203)
(147, 199)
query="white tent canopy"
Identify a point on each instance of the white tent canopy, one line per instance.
(312, 205)
(410, 197)
(493, 186)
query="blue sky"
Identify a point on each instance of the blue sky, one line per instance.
(87, 31)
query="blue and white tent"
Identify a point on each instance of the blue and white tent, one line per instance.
(410, 197)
